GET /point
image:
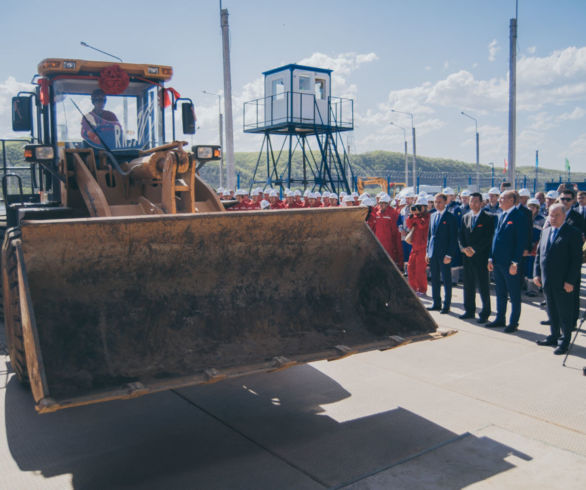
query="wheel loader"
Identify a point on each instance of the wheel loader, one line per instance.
(124, 275)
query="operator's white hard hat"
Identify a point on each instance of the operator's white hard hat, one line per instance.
(494, 190)
(524, 193)
(448, 191)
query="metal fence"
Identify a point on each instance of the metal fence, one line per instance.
(460, 181)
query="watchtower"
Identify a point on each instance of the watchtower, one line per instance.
(298, 106)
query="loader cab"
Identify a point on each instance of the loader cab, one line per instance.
(63, 113)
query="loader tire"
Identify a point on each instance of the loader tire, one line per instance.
(12, 319)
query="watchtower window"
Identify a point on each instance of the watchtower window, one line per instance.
(304, 84)
(320, 89)
(278, 89)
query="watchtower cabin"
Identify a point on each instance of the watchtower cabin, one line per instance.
(298, 105)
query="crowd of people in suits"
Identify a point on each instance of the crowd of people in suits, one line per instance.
(505, 234)
(511, 237)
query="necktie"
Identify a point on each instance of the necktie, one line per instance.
(474, 220)
(552, 236)
(501, 220)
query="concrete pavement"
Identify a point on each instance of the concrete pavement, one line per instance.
(480, 409)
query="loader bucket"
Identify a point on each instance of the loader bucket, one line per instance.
(122, 306)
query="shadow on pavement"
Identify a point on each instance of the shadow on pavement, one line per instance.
(261, 431)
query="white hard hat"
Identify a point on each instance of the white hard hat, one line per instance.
(485, 196)
(380, 194)
(256, 192)
(347, 198)
(273, 193)
(297, 193)
(552, 195)
(430, 198)
(316, 194)
(333, 195)
(524, 193)
(241, 192)
(465, 193)
(422, 200)
(494, 190)
(342, 194)
(288, 193)
(410, 194)
(265, 204)
(385, 198)
(422, 194)
(402, 202)
(448, 191)
(220, 190)
(354, 194)
(369, 201)
(534, 202)
(364, 195)
(325, 195)
(306, 193)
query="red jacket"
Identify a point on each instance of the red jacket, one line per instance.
(387, 232)
(420, 225)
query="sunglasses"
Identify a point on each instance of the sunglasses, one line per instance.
(565, 198)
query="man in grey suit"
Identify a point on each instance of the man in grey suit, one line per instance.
(557, 270)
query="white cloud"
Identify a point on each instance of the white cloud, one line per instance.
(577, 113)
(578, 148)
(493, 48)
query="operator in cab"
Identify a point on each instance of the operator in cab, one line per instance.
(103, 122)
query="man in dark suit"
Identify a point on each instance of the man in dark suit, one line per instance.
(508, 244)
(557, 270)
(575, 219)
(573, 216)
(475, 238)
(442, 247)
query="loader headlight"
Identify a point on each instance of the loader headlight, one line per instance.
(38, 152)
(207, 152)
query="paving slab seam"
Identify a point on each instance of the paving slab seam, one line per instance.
(503, 407)
(402, 461)
(250, 439)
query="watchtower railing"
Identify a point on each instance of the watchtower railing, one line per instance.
(298, 108)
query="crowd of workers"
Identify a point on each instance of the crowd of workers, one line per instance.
(523, 242)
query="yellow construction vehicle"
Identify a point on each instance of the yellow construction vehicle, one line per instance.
(391, 188)
(124, 275)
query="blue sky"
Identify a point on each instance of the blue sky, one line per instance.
(430, 57)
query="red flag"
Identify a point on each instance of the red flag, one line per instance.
(506, 166)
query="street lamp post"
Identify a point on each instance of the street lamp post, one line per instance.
(414, 147)
(220, 132)
(406, 163)
(477, 150)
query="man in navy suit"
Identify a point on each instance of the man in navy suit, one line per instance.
(557, 270)
(442, 240)
(475, 238)
(509, 241)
